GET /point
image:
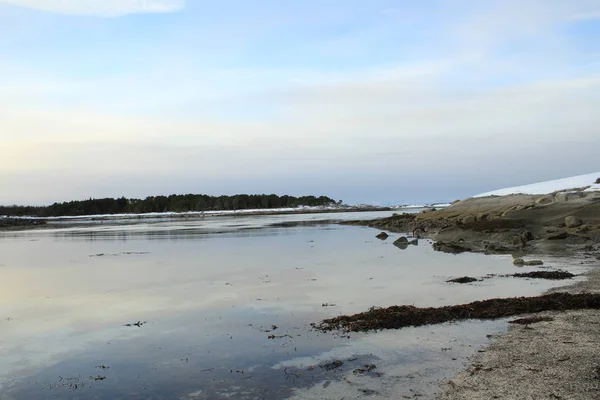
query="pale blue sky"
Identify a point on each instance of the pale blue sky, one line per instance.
(368, 101)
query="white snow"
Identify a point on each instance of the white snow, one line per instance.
(573, 182)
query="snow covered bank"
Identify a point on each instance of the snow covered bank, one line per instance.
(171, 214)
(580, 181)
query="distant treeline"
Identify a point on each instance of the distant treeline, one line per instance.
(175, 203)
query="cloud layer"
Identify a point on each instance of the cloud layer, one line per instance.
(395, 106)
(105, 8)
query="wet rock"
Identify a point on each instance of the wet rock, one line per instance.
(520, 262)
(464, 279)
(527, 236)
(414, 242)
(401, 245)
(530, 320)
(450, 247)
(572, 222)
(382, 236)
(597, 181)
(418, 233)
(401, 240)
(557, 236)
(534, 263)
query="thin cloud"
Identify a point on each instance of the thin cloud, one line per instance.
(104, 8)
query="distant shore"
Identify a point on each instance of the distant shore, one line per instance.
(18, 223)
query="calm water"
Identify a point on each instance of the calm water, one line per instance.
(211, 293)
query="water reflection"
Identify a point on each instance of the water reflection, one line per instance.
(227, 314)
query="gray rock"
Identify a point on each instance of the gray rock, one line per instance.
(572, 222)
(382, 236)
(534, 263)
(545, 200)
(414, 242)
(401, 239)
(566, 196)
(469, 219)
(557, 236)
(482, 216)
(527, 236)
(519, 261)
(517, 240)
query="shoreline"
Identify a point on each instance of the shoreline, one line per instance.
(557, 357)
(20, 223)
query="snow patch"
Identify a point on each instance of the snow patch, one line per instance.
(581, 181)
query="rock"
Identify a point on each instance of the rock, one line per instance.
(557, 236)
(482, 216)
(519, 262)
(414, 242)
(598, 181)
(468, 220)
(527, 236)
(452, 247)
(566, 196)
(534, 263)
(418, 233)
(382, 236)
(517, 240)
(572, 222)
(464, 279)
(401, 243)
(545, 200)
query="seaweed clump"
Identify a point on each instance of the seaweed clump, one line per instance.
(396, 317)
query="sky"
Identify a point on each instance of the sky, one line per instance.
(367, 101)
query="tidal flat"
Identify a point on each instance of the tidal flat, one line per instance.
(222, 308)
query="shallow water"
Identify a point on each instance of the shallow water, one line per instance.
(209, 294)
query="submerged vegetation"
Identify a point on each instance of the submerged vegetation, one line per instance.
(174, 203)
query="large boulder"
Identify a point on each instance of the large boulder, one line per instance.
(572, 222)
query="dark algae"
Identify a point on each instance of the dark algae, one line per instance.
(397, 317)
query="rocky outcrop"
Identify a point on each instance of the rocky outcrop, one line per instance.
(382, 236)
(514, 224)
